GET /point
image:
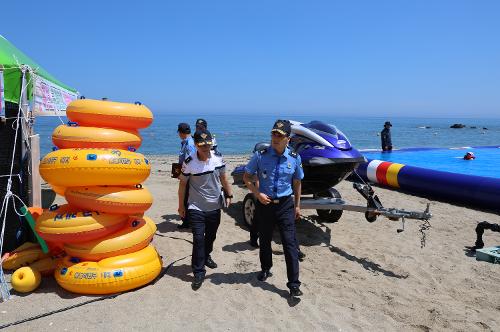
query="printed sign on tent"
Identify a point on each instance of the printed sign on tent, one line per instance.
(50, 99)
(2, 99)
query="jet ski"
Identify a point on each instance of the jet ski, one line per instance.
(327, 156)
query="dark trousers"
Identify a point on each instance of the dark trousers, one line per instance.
(204, 225)
(254, 231)
(281, 214)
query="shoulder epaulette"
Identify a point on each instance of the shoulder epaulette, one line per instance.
(188, 159)
(293, 154)
(263, 151)
(217, 153)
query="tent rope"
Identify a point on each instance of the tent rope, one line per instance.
(10, 196)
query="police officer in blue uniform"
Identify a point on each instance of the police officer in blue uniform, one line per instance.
(187, 149)
(279, 173)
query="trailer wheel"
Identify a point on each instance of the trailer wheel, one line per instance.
(249, 209)
(370, 217)
(329, 215)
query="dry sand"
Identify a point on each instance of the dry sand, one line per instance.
(356, 276)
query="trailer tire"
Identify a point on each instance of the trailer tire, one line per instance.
(249, 209)
(370, 217)
(329, 216)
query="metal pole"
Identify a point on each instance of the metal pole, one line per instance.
(27, 130)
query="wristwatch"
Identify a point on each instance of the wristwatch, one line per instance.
(229, 196)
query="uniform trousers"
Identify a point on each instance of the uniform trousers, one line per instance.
(281, 214)
(204, 225)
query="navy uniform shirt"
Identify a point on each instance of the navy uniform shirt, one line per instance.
(187, 149)
(275, 172)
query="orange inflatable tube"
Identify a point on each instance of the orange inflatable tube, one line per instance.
(66, 224)
(94, 167)
(73, 136)
(134, 237)
(110, 275)
(112, 199)
(24, 255)
(110, 114)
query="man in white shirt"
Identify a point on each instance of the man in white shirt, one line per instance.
(205, 173)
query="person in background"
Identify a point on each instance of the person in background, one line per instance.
(469, 156)
(385, 136)
(279, 172)
(204, 171)
(202, 124)
(187, 143)
(187, 149)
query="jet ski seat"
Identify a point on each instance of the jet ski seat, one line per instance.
(261, 146)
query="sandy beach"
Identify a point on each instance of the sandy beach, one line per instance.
(357, 276)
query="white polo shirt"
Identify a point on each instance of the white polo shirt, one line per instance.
(205, 188)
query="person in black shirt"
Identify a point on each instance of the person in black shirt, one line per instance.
(385, 135)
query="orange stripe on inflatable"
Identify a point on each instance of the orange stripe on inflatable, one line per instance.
(382, 171)
(392, 175)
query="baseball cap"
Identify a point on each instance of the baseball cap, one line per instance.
(387, 123)
(202, 137)
(283, 127)
(201, 122)
(183, 128)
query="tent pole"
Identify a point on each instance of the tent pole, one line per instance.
(34, 189)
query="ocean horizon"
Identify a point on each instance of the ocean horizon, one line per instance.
(238, 133)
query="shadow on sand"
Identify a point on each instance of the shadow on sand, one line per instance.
(170, 223)
(183, 272)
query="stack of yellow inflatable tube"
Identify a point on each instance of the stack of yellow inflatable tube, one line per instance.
(102, 230)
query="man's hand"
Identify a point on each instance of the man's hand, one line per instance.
(228, 201)
(182, 211)
(297, 213)
(263, 198)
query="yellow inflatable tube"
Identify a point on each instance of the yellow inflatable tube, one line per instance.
(99, 113)
(68, 225)
(70, 136)
(110, 275)
(94, 167)
(24, 255)
(125, 200)
(135, 236)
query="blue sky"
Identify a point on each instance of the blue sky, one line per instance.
(387, 58)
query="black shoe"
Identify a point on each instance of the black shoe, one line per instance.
(196, 284)
(295, 291)
(183, 225)
(254, 243)
(210, 263)
(264, 274)
(301, 255)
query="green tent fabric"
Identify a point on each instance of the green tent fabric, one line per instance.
(13, 76)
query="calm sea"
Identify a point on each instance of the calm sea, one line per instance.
(238, 133)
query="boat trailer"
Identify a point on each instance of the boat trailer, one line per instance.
(329, 207)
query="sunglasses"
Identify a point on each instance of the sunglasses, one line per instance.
(277, 135)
